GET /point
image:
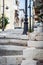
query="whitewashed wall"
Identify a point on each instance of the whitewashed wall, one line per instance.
(10, 12)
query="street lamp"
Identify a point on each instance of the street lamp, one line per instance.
(29, 15)
(31, 21)
(26, 19)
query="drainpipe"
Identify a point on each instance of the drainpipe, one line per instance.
(3, 17)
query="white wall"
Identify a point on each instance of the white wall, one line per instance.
(10, 12)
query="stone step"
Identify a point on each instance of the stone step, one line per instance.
(35, 36)
(39, 38)
(13, 42)
(33, 53)
(11, 60)
(30, 62)
(40, 34)
(37, 44)
(12, 47)
(13, 31)
(11, 50)
(14, 36)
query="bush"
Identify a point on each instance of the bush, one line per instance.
(5, 22)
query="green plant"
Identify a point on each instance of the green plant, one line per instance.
(5, 22)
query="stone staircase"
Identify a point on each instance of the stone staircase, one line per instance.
(11, 47)
(33, 54)
(22, 49)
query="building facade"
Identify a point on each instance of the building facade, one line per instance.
(38, 7)
(11, 8)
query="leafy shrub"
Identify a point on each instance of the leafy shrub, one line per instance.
(5, 22)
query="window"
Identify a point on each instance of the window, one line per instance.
(17, 2)
(16, 13)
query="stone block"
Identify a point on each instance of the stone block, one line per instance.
(30, 62)
(35, 44)
(11, 61)
(33, 53)
(39, 38)
(3, 60)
